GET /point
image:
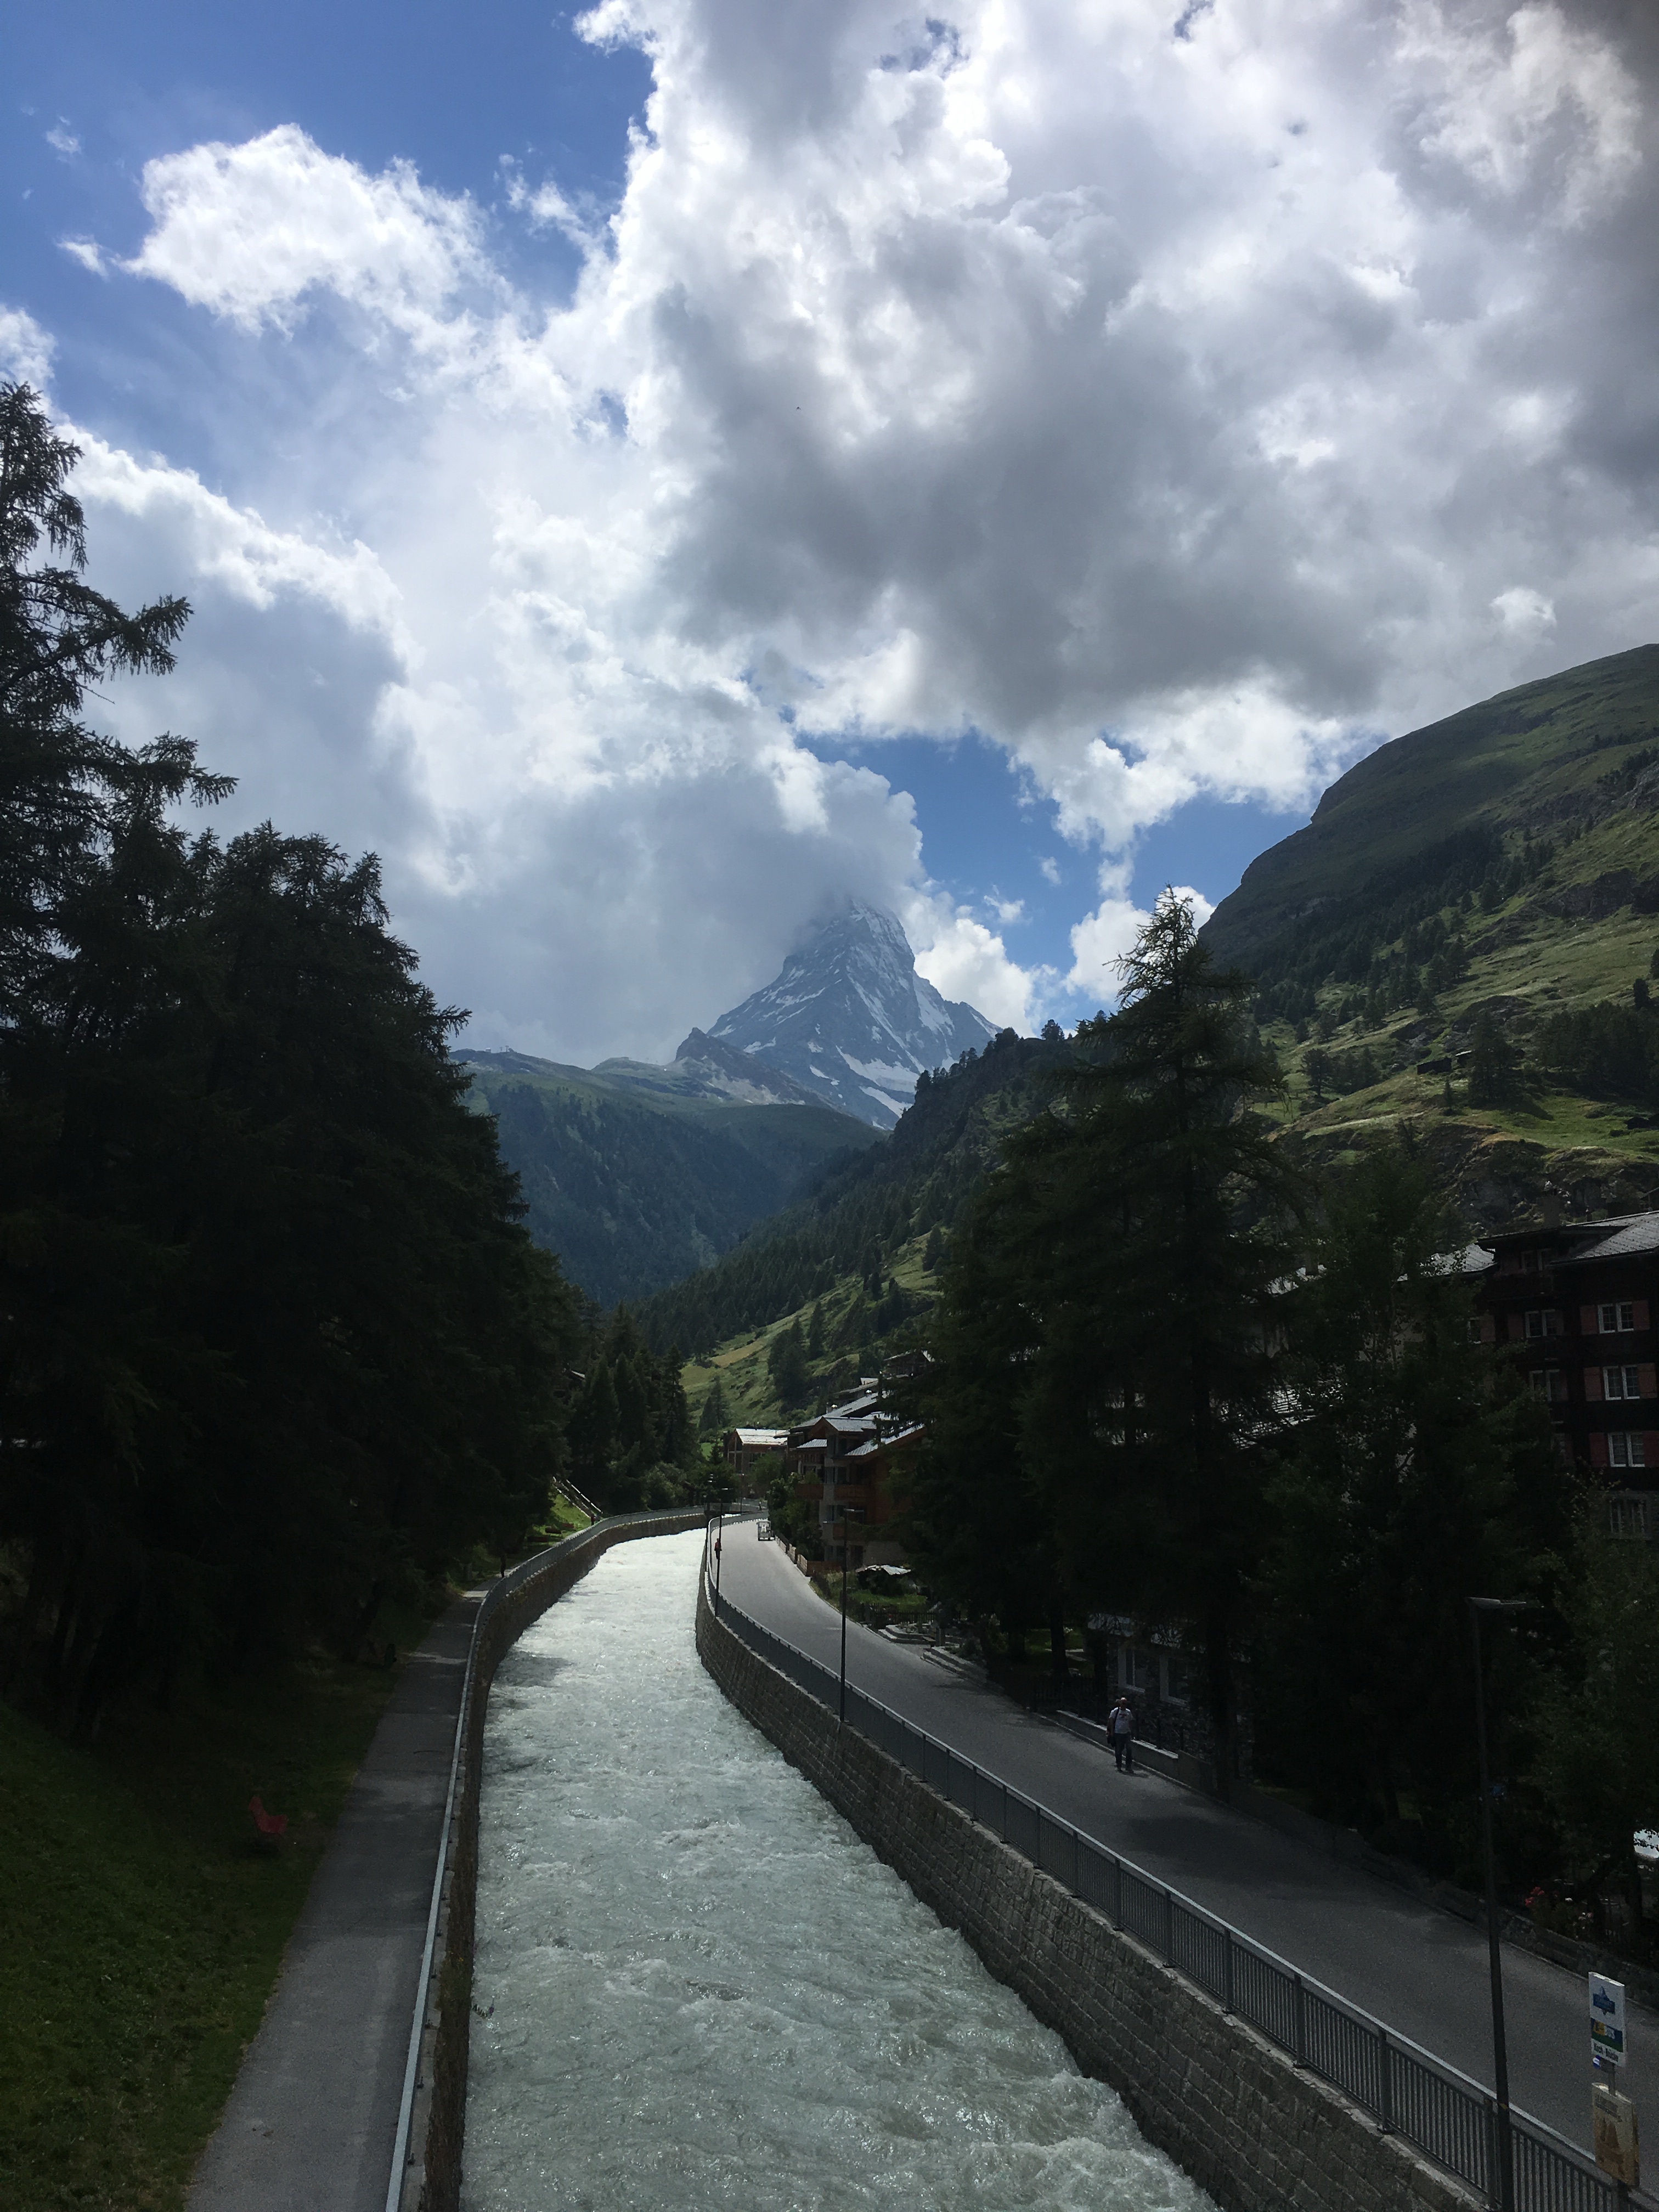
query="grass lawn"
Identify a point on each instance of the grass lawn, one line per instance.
(142, 1925)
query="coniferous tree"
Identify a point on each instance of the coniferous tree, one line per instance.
(1597, 1749)
(786, 1363)
(712, 1421)
(271, 1339)
(679, 1442)
(1130, 1246)
(1418, 1470)
(633, 1404)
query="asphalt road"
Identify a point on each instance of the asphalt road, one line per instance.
(312, 2120)
(1420, 1971)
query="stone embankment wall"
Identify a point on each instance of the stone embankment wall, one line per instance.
(432, 2177)
(1236, 2114)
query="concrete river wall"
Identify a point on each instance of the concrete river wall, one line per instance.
(1258, 2132)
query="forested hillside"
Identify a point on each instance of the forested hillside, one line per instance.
(1465, 934)
(633, 1182)
(857, 1248)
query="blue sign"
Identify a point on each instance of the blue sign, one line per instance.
(1607, 2012)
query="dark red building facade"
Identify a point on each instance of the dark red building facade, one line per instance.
(1577, 1304)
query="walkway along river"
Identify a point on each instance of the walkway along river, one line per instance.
(694, 1986)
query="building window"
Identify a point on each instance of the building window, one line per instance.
(1625, 1447)
(1136, 1669)
(1628, 1516)
(1546, 1322)
(1549, 1383)
(1616, 1319)
(1620, 1383)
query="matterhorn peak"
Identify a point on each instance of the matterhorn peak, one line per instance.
(850, 1019)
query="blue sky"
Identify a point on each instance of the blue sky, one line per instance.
(650, 474)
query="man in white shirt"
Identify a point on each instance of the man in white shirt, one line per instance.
(1121, 1725)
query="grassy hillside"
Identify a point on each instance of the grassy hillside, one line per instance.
(632, 1188)
(144, 1924)
(857, 1336)
(1469, 883)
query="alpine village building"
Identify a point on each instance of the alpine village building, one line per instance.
(1575, 1303)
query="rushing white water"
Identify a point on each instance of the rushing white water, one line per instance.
(701, 1990)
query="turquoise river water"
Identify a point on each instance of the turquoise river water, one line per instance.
(699, 1989)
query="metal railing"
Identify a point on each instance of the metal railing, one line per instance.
(1409, 2093)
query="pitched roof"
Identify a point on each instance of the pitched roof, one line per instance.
(1638, 1232)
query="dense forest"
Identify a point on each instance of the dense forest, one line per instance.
(633, 1191)
(1173, 1378)
(273, 1339)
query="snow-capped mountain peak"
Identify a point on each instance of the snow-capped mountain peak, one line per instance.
(850, 1019)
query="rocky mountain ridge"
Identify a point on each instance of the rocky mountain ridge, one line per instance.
(850, 1021)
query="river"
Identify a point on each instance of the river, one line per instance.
(695, 1987)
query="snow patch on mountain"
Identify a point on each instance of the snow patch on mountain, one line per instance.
(849, 1016)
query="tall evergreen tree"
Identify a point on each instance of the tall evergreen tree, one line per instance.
(1129, 1248)
(786, 1363)
(1420, 1471)
(712, 1420)
(629, 1378)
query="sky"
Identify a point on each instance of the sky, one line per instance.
(651, 474)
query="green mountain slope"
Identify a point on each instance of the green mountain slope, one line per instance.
(866, 1224)
(634, 1185)
(1430, 946)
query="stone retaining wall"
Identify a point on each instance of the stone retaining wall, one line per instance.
(432, 2178)
(1259, 2133)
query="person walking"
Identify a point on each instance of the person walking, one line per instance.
(1121, 1726)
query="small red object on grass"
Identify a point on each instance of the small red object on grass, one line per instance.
(268, 1824)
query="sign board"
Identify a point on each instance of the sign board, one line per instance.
(1612, 2122)
(1607, 2012)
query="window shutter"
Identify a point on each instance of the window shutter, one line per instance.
(1592, 1388)
(1517, 1325)
(1647, 1381)
(1641, 1305)
(1589, 1321)
(1598, 1444)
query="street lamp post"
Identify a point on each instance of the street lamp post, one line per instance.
(846, 1514)
(1505, 2145)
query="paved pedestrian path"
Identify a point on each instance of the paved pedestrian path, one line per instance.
(1420, 1971)
(312, 2120)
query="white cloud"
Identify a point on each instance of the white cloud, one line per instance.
(250, 230)
(1524, 612)
(63, 141)
(90, 255)
(1175, 412)
(1510, 98)
(26, 349)
(962, 959)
